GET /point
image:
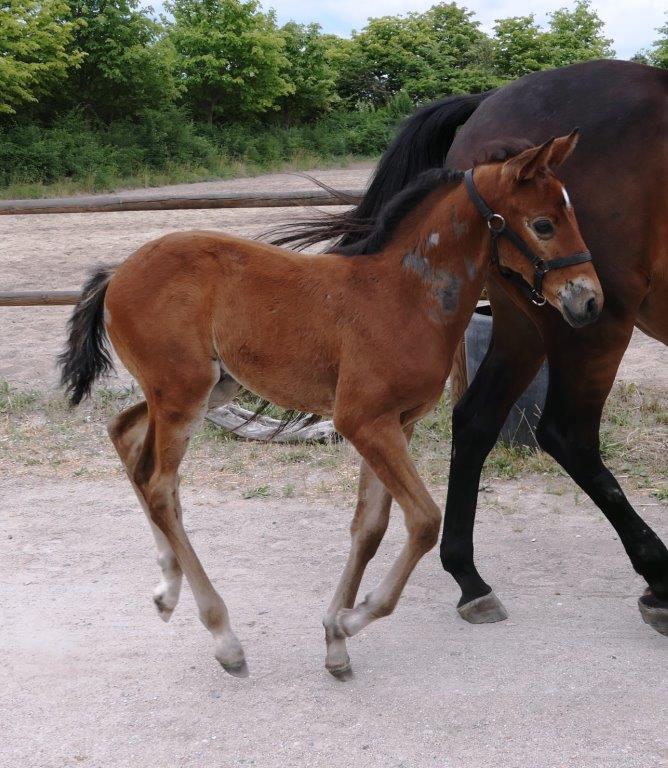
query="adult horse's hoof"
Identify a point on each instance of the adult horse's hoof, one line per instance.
(654, 612)
(483, 610)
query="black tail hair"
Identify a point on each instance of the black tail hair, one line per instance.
(422, 143)
(87, 355)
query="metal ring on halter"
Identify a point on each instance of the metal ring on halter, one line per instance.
(537, 298)
(501, 225)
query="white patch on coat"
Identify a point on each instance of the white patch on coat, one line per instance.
(567, 199)
(433, 238)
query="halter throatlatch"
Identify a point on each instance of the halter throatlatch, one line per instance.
(498, 227)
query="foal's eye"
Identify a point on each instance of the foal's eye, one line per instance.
(543, 227)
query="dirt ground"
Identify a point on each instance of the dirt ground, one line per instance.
(91, 677)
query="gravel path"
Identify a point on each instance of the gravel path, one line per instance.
(90, 676)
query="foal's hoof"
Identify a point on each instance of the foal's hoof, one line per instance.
(164, 611)
(654, 612)
(236, 670)
(342, 673)
(483, 610)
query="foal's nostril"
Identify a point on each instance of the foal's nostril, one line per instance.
(591, 307)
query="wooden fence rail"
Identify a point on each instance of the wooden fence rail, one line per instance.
(152, 202)
(170, 202)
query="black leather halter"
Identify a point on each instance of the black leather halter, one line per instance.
(497, 228)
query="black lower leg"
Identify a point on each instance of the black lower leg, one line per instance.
(581, 459)
(476, 422)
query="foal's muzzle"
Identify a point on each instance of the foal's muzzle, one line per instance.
(581, 304)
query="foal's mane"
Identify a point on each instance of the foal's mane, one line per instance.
(356, 232)
(372, 235)
(397, 209)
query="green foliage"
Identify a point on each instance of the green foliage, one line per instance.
(426, 55)
(576, 36)
(520, 46)
(126, 67)
(99, 156)
(96, 92)
(35, 53)
(230, 55)
(309, 70)
(658, 56)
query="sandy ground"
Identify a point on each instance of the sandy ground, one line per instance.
(91, 677)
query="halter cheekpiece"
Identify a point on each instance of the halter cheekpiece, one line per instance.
(498, 228)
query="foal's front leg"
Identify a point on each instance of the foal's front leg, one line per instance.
(367, 530)
(383, 445)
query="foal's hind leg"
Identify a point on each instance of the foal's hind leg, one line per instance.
(171, 422)
(128, 432)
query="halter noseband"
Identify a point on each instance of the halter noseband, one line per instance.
(497, 228)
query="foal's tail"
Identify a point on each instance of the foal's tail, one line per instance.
(87, 355)
(422, 143)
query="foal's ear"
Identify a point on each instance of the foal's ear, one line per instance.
(563, 147)
(530, 162)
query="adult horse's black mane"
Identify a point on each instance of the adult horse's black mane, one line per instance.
(621, 109)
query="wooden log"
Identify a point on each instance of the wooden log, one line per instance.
(170, 202)
(38, 298)
(459, 381)
(234, 419)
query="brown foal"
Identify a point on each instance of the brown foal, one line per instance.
(368, 338)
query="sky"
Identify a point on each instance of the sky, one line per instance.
(630, 23)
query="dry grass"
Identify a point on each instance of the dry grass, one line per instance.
(41, 436)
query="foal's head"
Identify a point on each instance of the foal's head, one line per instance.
(535, 205)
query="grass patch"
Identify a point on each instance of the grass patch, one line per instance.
(41, 433)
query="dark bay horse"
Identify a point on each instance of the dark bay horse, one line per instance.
(195, 315)
(619, 188)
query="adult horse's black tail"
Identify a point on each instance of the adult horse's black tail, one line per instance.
(422, 143)
(87, 353)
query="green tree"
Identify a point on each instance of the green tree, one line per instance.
(576, 35)
(35, 52)
(658, 55)
(309, 70)
(127, 65)
(520, 47)
(426, 54)
(231, 56)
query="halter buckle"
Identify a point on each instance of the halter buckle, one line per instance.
(496, 229)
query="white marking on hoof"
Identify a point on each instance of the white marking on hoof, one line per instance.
(483, 610)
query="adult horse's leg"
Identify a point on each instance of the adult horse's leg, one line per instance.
(569, 431)
(367, 530)
(514, 356)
